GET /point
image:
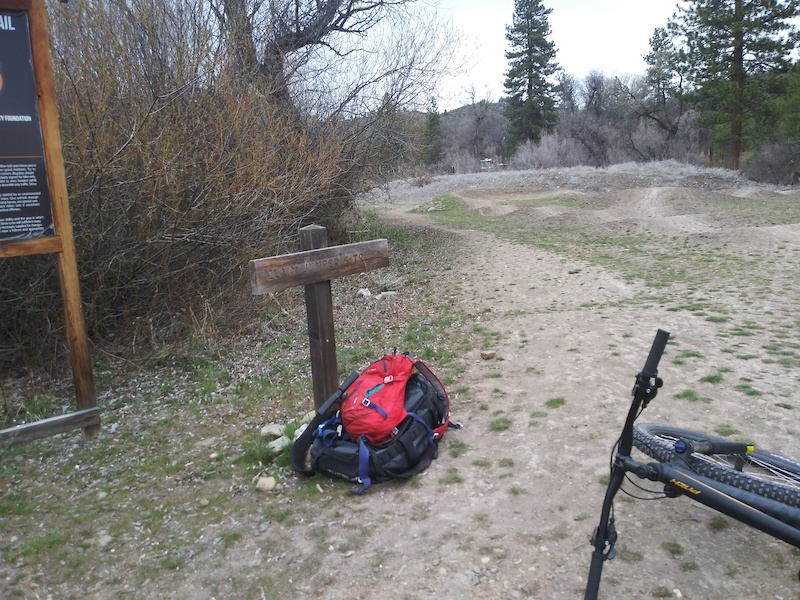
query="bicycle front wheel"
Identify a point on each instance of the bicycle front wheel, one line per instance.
(761, 472)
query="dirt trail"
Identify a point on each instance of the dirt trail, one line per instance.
(518, 523)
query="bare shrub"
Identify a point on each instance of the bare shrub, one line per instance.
(178, 176)
(777, 162)
(551, 151)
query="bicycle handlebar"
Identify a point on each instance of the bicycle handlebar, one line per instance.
(713, 447)
(656, 351)
(337, 395)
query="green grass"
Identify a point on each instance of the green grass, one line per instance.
(713, 378)
(693, 396)
(457, 448)
(555, 402)
(674, 548)
(718, 523)
(500, 424)
(452, 477)
(726, 430)
(748, 389)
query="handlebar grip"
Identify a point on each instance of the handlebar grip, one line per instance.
(656, 350)
(713, 447)
(337, 395)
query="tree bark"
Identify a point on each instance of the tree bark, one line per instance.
(738, 77)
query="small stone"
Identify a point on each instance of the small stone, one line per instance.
(300, 431)
(263, 526)
(488, 354)
(102, 495)
(214, 455)
(677, 593)
(272, 430)
(266, 484)
(203, 502)
(104, 540)
(279, 444)
(363, 293)
(308, 417)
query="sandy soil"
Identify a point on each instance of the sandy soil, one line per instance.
(581, 332)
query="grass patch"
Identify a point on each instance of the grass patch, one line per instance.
(748, 390)
(458, 448)
(713, 378)
(452, 477)
(718, 523)
(692, 396)
(500, 424)
(726, 431)
(555, 402)
(628, 554)
(674, 548)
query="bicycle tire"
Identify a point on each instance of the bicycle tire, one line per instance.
(763, 473)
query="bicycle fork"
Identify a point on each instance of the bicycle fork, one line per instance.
(605, 536)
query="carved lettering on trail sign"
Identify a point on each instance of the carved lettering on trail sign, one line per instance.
(313, 268)
(278, 273)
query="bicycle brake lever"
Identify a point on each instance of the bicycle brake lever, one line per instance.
(609, 551)
(651, 390)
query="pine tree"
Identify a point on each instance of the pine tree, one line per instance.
(432, 135)
(530, 107)
(728, 49)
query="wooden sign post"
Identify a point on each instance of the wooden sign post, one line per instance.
(34, 209)
(314, 268)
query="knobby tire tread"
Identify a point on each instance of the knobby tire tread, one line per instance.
(645, 438)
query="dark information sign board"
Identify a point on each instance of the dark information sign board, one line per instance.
(25, 210)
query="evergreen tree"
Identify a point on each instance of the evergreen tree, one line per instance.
(530, 107)
(432, 135)
(728, 49)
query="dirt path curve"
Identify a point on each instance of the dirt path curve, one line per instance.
(512, 516)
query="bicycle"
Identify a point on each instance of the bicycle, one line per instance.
(755, 487)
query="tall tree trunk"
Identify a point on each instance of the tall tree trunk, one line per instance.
(737, 74)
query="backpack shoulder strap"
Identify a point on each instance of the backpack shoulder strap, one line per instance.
(429, 375)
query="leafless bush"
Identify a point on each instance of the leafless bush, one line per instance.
(177, 174)
(777, 162)
(551, 151)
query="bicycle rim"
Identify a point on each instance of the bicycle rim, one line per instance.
(763, 473)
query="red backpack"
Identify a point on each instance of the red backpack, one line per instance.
(390, 420)
(374, 406)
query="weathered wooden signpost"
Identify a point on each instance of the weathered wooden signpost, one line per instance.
(34, 209)
(314, 268)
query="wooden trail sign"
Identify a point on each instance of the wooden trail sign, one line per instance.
(34, 207)
(314, 268)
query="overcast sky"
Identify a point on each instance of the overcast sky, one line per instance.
(609, 36)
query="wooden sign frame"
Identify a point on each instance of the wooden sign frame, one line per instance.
(61, 242)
